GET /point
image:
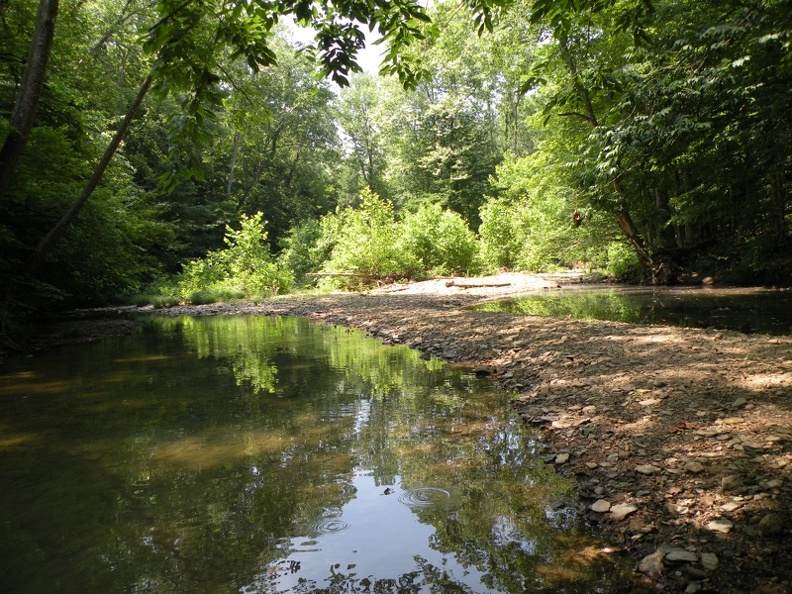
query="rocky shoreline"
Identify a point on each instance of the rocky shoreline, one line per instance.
(680, 440)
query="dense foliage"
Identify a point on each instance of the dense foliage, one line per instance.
(644, 138)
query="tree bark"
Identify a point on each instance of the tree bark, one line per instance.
(60, 227)
(24, 112)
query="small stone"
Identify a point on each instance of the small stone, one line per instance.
(562, 458)
(677, 555)
(619, 512)
(721, 525)
(739, 402)
(709, 561)
(652, 565)
(693, 587)
(771, 525)
(694, 467)
(591, 465)
(731, 482)
(775, 483)
(601, 506)
(647, 469)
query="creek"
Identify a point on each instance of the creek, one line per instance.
(258, 454)
(748, 310)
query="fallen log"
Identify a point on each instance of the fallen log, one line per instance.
(475, 285)
(348, 274)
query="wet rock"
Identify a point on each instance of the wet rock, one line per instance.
(693, 587)
(647, 469)
(771, 524)
(721, 525)
(652, 565)
(709, 561)
(601, 506)
(619, 512)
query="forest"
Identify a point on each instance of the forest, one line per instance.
(165, 151)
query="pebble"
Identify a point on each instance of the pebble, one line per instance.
(693, 587)
(709, 560)
(721, 525)
(601, 506)
(647, 469)
(619, 512)
(562, 458)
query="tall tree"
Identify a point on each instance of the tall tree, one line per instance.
(28, 95)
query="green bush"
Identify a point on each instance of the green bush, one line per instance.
(441, 240)
(622, 261)
(371, 243)
(368, 242)
(245, 268)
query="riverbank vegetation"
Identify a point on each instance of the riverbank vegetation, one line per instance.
(192, 151)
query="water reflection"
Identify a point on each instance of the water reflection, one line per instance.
(272, 455)
(745, 310)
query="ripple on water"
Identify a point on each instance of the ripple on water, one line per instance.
(330, 522)
(424, 497)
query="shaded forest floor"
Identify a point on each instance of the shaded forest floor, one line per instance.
(680, 440)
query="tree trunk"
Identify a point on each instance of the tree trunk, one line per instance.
(623, 218)
(58, 230)
(24, 112)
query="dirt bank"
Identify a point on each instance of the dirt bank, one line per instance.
(680, 439)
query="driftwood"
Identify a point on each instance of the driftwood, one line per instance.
(349, 274)
(475, 285)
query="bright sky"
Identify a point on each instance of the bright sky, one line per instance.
(369, 59)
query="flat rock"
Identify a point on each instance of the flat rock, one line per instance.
(619, 512)
(721, 525)
(652, 565)
(677, 555)
(709, 560)
(694, 467)
(647, 469)
(601, 506)
(733, 481)
(562, 458)
(731, 506)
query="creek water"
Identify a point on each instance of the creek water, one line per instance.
(749, 310)
(254, 454)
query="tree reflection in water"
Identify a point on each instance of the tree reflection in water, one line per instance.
(268, 455)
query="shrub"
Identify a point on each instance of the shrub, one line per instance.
(441, 240)
(245, 268)
(367, 242)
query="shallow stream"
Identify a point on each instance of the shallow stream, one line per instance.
(254, 454)
(752, 310)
